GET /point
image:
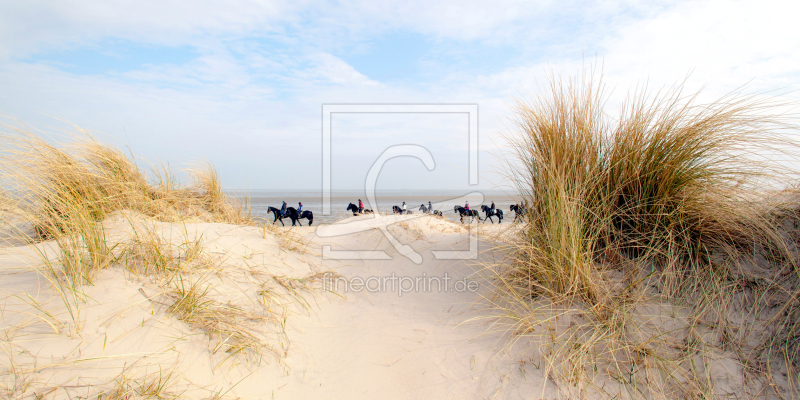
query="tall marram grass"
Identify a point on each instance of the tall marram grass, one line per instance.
(65, 186)
(87, 180)
(679, 199)
(666, 175)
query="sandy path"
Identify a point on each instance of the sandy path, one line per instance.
(398, 344)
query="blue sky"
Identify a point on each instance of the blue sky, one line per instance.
(241, 84)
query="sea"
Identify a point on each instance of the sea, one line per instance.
(258, 201)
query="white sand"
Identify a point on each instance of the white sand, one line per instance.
(367, 345)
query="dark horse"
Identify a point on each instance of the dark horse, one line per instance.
(291, 213)
(398, 210)
(426, 210)
(352, 207)
(489, 213)
(296, 217)
(467, 213)
(519, 211)
(277, 213)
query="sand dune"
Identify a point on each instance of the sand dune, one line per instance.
(313, 342)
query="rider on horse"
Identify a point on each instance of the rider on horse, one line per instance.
(283, 209)
(466, 206)
(300, 208)
(360, 206)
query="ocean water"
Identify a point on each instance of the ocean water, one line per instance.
(260, 200)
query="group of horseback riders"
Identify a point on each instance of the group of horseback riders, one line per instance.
(491, 207)
(490, 210)
(290, 212)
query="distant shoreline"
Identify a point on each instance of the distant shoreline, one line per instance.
(393, 192)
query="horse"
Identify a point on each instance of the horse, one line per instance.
(469, 213)
(519, 211)
(398, 210)
(489, 214)
(426, 210)
(292, 213)
(352, 207)
(277, 213)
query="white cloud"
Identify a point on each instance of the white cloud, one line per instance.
(30, 25)
(332, 69)
(251, 108)
(722, 43)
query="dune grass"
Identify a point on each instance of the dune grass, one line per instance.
(670, 203)
(66, 187)
(226, 322)
(83, 180)
(150, 386)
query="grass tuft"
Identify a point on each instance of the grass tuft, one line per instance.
(226, 322)
(671, 203)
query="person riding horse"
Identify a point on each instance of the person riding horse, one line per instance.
(490, 212)
(463, 211)
(296, 215)
(360, 206)
(283, 209)
(519, 210)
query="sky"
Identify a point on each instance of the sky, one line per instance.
(242, 83)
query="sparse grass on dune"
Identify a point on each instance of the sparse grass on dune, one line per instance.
(668, 204)
(65, 191)
(149, 253)
(93, 208)
(149, 386)
(231, 324)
